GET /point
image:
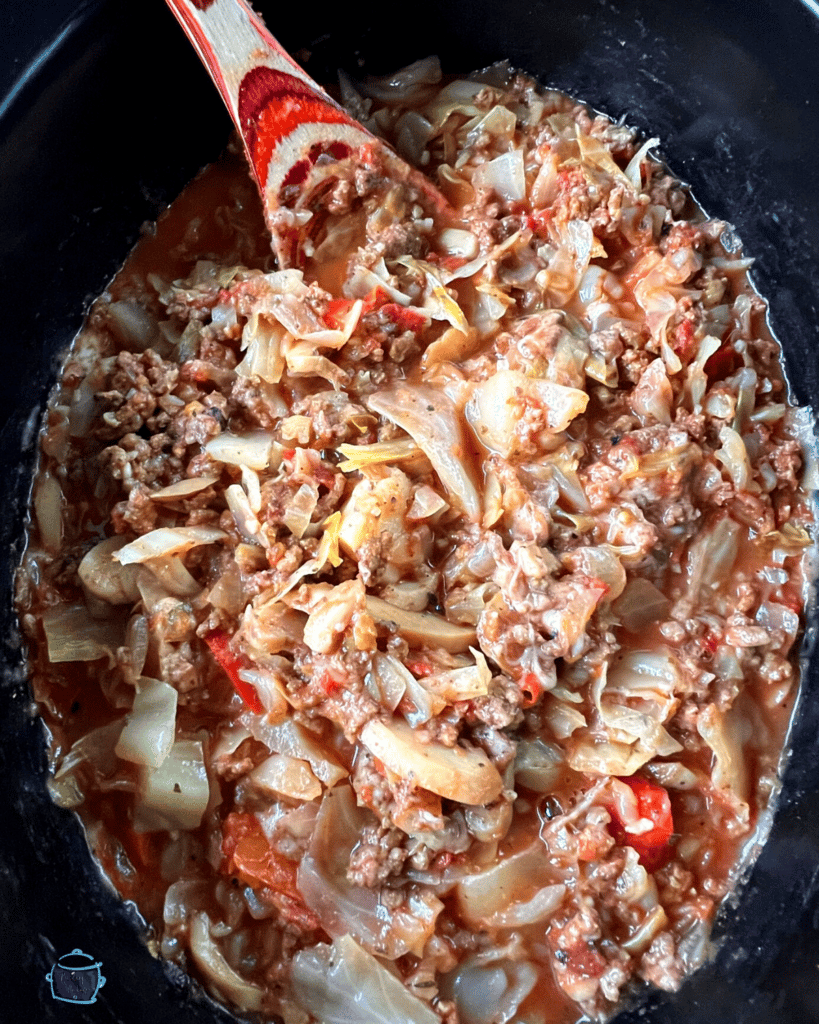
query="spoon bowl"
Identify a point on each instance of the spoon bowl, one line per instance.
(294, 134)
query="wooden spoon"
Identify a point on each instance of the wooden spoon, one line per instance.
(291, 128)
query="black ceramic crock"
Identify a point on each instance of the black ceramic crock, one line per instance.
(105, 114)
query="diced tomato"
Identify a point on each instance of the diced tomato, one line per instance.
(531, 689)
(683, 343)
(339, 309)
(711, 642)
(653, 804)
(446, 858)
(419, 667)
(721, 363)
(337, 312)
(329, 684)
(452, 263)
(247, 855)
(289, 454)
(219, 643)
(539, 221)
(589, 846)
(375, 298)
(405, 319)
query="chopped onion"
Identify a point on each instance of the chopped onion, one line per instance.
(490, 993)
(290, 738)
(505, 175)
(461, 683)
(342, 983)
(633, 170)
(300, 509)
(490, 893)
(538, 765)
(48, 509)
(183, 488)
(357, 456)
(640, 604)
(723, 732)
(175, 795)
(244, 517)
(167, 540)
(105, 577)
(422, 628)
(499, 405)
(72, 635)
(171, 573)
(390, 678)
(213, 965)
(96, 747)
(287, 776)
(151, 725)
(406, 85)
(430, 418)
(456, 773)
(262, 338)
(257, 450)
(458, 242)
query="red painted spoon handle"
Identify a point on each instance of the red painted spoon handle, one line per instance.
(285, 119)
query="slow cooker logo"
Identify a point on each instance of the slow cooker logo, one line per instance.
(75, 978)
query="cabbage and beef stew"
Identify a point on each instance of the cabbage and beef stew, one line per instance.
(414, 628)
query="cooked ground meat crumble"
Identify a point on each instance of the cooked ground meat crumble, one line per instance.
(416, 625)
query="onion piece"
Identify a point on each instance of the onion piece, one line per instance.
(342, 983)
(461, 683)
(48, 510)
(538, 765)
(357, 456)
(175, 795)
(422, 628)
(104, 577)
(389, 680)
(72, 635)
(257, 450)
(640, 604)
(498, 407)
(405, 86)
(151, 725)
(300, 509)
(488, 894)
(490, 993)
(172, 574)
(456, 773)
(286, 776)
(213, 965)
(505, 175)
(288, 737)
(539, 908)
(183, 488)
(430, 418)
(634, 167)
(167, 540)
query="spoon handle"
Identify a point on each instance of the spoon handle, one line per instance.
(285, 119)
